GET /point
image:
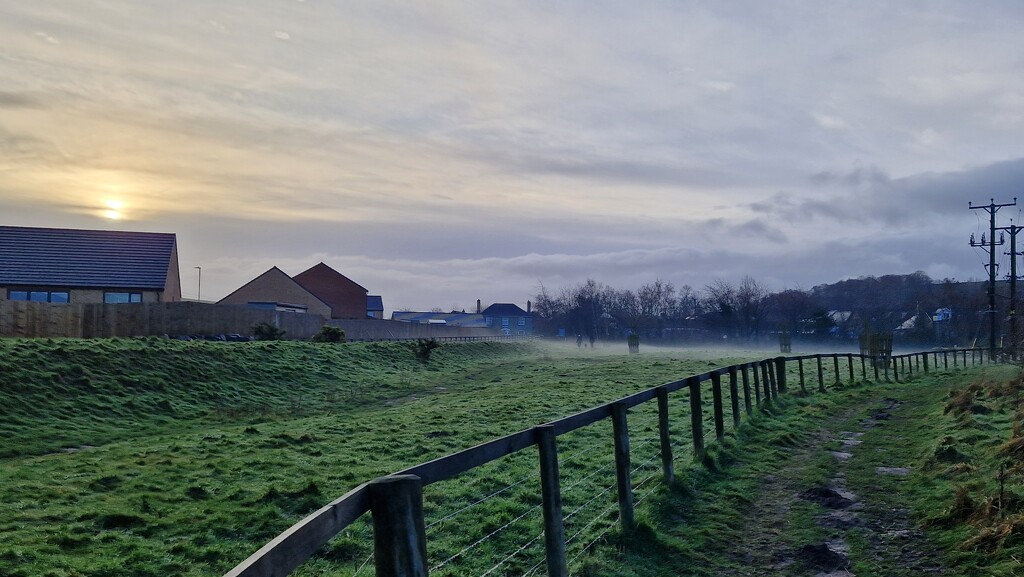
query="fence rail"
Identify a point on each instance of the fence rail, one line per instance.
(396, 503)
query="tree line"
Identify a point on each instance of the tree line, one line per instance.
(747, 311)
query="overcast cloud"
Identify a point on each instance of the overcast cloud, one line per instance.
(440, 152)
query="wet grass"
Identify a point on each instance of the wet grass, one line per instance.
(151, 457)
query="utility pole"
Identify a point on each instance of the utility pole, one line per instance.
(1013, 254)
(992, 208)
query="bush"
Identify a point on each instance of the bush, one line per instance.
(423, 347)
(267, 332)
(329, 334)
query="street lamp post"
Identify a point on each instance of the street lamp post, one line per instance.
(199, 293)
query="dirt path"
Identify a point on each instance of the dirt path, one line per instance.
(833, 506)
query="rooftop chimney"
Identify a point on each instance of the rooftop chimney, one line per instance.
(478, 309)
(528, 305)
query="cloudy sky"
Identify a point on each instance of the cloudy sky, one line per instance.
(440, 152)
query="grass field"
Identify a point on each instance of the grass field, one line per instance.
(153, 457)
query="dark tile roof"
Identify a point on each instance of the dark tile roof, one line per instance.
(374, 303)
(504, 310)
(84, 258)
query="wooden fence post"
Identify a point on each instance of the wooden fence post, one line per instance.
(746, 388)
(766, 382)
(622, 466)
(874, 364)
(925, 360)
(399, 536)
(667, 464)
(821, 375)
(696, 419)
(800, 365)
(945, 360)
(887, 363)
(910, 365)
(769, 366)
(863, 369)
(716, 402)
(551, 502)
(835, 366)
(780, 373)
(955, 359)
(849, 363)
(754, 368)
(895, 370)
(734, 396)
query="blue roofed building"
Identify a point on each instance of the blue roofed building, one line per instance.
(374, 307)
(452, 319)
(59, 265)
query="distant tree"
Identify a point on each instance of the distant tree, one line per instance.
(720, 303)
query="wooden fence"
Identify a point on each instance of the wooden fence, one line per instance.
(396, 501)
(21, 319)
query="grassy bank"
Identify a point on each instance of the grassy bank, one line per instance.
(152, 457)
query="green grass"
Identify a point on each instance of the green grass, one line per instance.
(189, 456)
(137, 457)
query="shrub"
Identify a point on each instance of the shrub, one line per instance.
(267, 332)
(329, 334)
(423, 347)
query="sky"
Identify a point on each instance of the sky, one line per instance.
(443, 152)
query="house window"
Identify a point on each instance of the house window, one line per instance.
(487, 321)
(522, 321)
(111, 298)
(504, 321)
(38, 296)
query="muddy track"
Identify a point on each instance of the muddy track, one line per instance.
(823, 514)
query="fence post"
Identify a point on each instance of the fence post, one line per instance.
(734, 396)
(551, 500)
(956, 359)
(399, 536)
(910, 365)
(800, 364)
(696, 419)
(835, 366)
(716, 402)
(895, 370)
(780, 373)
(821, 375)
(746, 389)
(667, 465)
(887, 363)
(925, 360)
(849, 363)
(863, 369)
(874, 364)
(945, 360)
(757, 381)
(622, 466)
(972, 358)
(766, 382)
(769, 367)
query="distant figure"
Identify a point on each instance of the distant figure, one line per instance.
(592, 339)
(579, 341)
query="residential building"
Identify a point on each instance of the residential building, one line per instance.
(509, 319)
(320, 289)
(275, 290)
(346, 298)
(60, 265)
(374, 307)
(453, 319)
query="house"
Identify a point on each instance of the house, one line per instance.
(59, 265)
(275, 290)
(509, 319)
(321, 289)
(452, 319)
(346, 298)
(374, 306)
